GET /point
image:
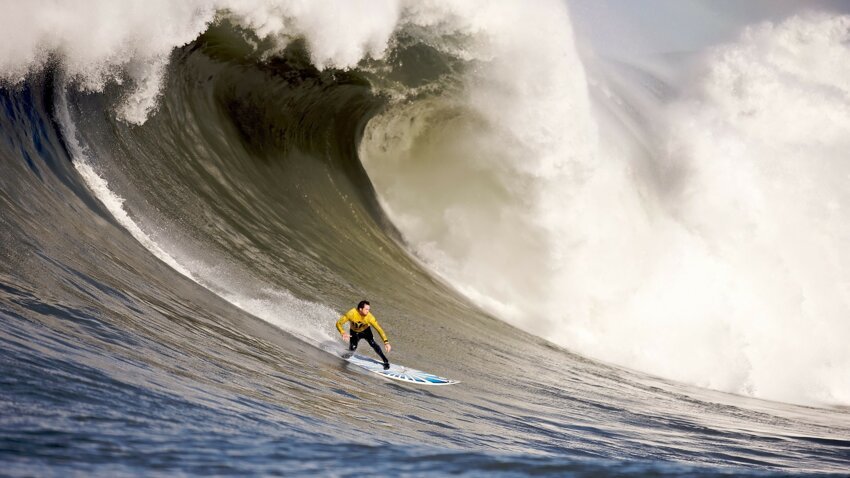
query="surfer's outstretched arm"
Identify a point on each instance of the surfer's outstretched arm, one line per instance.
(339, 326)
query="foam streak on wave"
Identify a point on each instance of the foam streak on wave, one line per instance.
(277, 307)
(114, 203)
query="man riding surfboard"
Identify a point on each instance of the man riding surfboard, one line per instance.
(361, 325)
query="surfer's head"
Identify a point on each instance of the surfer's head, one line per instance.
(363, 307)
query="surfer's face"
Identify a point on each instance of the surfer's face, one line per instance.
(365, 310)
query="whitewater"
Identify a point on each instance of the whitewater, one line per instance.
(624, 232)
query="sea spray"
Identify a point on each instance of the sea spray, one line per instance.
(695, 261)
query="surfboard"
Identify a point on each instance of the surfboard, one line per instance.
(398, 372)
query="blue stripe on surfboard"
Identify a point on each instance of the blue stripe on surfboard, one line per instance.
(405, 374)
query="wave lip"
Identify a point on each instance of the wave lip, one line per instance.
(131, 42)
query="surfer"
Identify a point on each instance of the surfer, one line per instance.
(362, 322)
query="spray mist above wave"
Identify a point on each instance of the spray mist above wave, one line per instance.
(761, 167)
(492, 160)
(722, 263)
(130, 42)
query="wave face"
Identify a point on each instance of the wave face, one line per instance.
(191, 197)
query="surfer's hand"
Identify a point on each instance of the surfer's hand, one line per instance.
(345, 337)
(388, 347)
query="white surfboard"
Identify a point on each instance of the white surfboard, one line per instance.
(398, 372)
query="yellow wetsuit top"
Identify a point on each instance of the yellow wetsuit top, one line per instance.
(360, 323)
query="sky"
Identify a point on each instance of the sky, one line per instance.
(628, 28)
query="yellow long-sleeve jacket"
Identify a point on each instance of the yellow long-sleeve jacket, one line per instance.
(360, 323)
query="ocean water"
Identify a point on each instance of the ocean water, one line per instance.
(622, 229)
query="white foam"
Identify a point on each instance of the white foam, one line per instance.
(726, 268)
(102, 41)
(100, 187)
(763, 143)
(732, 274)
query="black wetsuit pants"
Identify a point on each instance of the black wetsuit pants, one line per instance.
(368, 337)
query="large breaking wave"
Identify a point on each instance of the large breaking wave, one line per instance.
(680, 251)
(455, 162)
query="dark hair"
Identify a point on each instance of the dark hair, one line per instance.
(363, 303)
